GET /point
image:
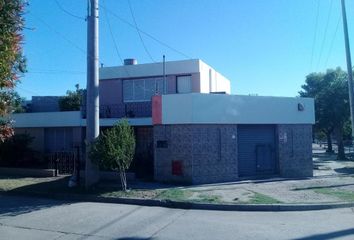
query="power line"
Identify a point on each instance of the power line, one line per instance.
(46, 72)
(67, 12)
(137, 30)
(315, 34)
(147, 34)
(59, 34)
(114, 41)
(29, 91)
(332, 42)
(325, 33)
(56, 70)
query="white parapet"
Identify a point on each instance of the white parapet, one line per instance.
(198, 108)
(66, 119)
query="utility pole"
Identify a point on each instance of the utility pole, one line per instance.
(164, 91)
(92, 94)
(349, 65)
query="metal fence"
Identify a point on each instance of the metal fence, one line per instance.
(129, 110)
(63, 162)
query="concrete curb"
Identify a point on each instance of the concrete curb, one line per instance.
(185, 205)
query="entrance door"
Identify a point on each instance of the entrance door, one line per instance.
(256, 150)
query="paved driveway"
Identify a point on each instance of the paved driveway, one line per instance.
(32, 218)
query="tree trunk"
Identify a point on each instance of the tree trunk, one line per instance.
(123, 179)
(329, 142)
(339, 138)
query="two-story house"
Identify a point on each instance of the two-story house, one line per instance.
(188, 127)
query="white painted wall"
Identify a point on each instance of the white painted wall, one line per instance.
(211, 80)
(66, 119)
(198, 108)
(150, 69)
(219, 82)
(47, 119)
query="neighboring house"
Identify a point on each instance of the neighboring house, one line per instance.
(188, 128)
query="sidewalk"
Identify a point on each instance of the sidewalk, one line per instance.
(332, 184)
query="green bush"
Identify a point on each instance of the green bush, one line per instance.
(114, 149)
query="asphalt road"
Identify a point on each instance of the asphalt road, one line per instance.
(33, 218)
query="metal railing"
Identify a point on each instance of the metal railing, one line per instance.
(128, 110)
(63, 162)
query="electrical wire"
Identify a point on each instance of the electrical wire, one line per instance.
(325, 33)
(332, 42)
(67, 12)
(137, 30)
(145, 33)
(29, 91)
(114, 41)
(61, 35)
(315, 34)
(45, 72)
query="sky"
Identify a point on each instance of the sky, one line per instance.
(263, 47)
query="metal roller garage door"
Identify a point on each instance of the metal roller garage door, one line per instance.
(256, 150)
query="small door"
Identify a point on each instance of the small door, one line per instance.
(265, 158)
(256, 150)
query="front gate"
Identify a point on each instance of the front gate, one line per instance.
(63, 162)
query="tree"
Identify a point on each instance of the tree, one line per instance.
(72, 100)
(12, 62)
(330, 91)
(114, 149)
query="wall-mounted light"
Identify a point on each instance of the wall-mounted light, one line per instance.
(300, 107)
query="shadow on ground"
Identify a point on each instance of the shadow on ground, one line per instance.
(18, 205)
(321, 187)
(135, 238)
(345, 170)
(331, 235)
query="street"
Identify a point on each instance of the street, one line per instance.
(33, 218)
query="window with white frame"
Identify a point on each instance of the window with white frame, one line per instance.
(184, 84)
(142, 89)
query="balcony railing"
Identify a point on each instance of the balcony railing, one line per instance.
(128, 110)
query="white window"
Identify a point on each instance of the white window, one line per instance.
(141, 89)
(184, 84)
(150, 87)
(128, 90)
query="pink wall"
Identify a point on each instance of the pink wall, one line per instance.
(111, 92)
(156, 110)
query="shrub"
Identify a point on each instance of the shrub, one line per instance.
(114, 149)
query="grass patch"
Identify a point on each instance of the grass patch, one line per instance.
(175, 194)
(208, 198)
(11, 183)
(259, 198)
(144, 194)
(341, 194)
(60, 185)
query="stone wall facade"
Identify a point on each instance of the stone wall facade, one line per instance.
(207, 153)
(295, 150)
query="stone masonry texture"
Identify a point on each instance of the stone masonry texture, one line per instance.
(295, 150)
(208, 153)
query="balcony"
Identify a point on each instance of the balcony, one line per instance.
(127, 110)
